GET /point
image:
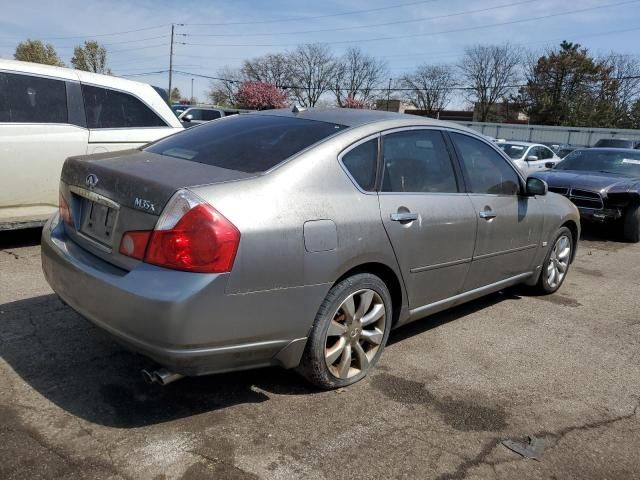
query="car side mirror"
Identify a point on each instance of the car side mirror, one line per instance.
(550, 164)
(532, 158)
(535, 186)
(187, 118)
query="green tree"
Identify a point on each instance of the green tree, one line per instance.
(567, 86)
(92, 57)
(176, 96)
(37, 52)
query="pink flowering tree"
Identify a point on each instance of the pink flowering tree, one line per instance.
(261, 96)
(351, 102)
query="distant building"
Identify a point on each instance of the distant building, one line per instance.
(503, 112)
(449, 115)
(393, 105)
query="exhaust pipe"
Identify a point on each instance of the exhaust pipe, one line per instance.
(161, 376)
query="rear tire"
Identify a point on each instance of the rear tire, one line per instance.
(556, 263)
(632, 224)
(349, 332)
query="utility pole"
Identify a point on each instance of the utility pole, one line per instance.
(192, 91)
(388, 94)
(171, 62)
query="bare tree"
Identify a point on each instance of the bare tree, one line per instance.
(625, 72)
(357, 76)
(273, 68)
(224, 91)
(313, 68)
(430, 87)
(490, 71)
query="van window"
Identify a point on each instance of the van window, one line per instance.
(112, 109)
(31, 99)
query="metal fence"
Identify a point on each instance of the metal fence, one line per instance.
(579, 136)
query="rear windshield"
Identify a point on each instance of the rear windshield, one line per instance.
(614, 143)
(245, 143)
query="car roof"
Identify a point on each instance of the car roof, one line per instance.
(352, 117)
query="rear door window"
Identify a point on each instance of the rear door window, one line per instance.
(245, 143)
(210, 115)
(417, 161)
(108, 108)
(32, 99)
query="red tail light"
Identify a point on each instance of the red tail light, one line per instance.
(200, 240)
(63, 208)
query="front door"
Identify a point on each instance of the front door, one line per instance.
(430, 221)
(509, 223)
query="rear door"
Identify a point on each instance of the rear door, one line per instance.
(118, 120)
(429, 220)
(36, 136)
(509, 225)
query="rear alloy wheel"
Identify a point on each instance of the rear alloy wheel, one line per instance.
(349, 333)
(557, 261)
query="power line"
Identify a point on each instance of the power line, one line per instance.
(92, 35)
(314, 17)
(398, 22)
(429, 34)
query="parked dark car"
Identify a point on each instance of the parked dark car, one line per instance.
(615, 143)
(604, 183)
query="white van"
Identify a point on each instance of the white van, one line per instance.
(50, 113)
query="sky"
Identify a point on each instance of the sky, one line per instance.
(216, 33)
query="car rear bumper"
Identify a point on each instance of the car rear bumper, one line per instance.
(184, 321)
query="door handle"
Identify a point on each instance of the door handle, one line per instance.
(487, 214)
(404, 217)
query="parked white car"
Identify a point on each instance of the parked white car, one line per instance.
(50, 113)
(529, 157)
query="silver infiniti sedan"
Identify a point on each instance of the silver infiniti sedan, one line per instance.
(297, 238)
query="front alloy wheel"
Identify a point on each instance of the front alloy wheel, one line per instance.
(556, 263)
(559, 262)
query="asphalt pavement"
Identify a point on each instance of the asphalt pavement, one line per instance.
(448, 390)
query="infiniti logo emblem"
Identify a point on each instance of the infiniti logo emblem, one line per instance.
(91, 180)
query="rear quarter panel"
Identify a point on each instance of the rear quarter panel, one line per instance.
(271, 211)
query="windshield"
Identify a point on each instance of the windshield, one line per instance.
(606, 161)
(614, 143)
(245, 143)
(514, 151)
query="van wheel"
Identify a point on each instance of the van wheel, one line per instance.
(349, 332)
(556, 263)
(632, 224)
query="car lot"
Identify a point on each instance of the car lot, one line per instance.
(446, 392)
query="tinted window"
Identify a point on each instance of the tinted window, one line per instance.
(487, 171)
(29, 99)
(417, 161)
(614, 143)
(245, 143)
(361, 162)
(209, 115)
(112, 109)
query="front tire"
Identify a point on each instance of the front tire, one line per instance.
(349, 332)
(556, 264)
(632, 224)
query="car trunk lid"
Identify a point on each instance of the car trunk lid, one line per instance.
(112, 193)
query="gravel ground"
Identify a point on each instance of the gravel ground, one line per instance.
(448, 390)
